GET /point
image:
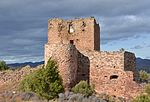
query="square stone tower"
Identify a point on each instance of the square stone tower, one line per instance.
(84, 33)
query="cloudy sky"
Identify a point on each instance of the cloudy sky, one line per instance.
(23, 25)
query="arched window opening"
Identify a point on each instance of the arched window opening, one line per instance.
(71, 29)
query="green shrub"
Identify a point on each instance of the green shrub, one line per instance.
(45, 82)
(84, 88)
(142, 98)
(144, 76)
(3, 65)
(147, 89)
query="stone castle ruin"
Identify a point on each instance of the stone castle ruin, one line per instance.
(75, 45)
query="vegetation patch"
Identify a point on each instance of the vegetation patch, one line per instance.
(145, 96)
(3, 66)
(83, 88)
(144, 76)
(45, 82)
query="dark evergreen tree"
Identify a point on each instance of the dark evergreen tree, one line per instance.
(3, 65)
(45, 82)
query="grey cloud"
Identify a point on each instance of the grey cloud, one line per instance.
(122, 27)
(23, 24)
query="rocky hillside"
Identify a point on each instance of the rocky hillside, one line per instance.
(9, 89)
(9, 83)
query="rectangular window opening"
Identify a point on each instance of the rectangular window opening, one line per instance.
(71, 42)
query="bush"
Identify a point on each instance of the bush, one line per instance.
(144, 76)
(45, 82)
(147, 89)
(83, 88)
(72, 97)
(145, 97)
(142, 98)
(3, 65)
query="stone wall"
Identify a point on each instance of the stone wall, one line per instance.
(83, 70)
(66, 57)
(84, 33)
(111, 60)
(105, 60)
(107, 72)
(130, 63)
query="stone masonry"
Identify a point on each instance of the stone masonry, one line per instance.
(75, 45)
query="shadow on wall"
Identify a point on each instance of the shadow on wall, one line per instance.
(83, 70)
(130, 65)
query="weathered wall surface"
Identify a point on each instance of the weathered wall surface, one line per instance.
(107, 72)
(111, 60)
(83, 71)
(105, 60)
(66, 57)
(114, 82)
(83, 32)
(130, 63)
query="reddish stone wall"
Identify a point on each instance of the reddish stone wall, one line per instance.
(107, 72)
(66, 57)
(106, 60)
(83, 32)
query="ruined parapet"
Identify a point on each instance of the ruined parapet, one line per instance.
(130, 64)
(111, 60)
(83, 33)
(66, 57)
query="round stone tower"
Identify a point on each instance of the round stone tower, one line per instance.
(66, 57)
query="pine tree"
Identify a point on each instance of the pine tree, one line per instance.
(3, 65)
(45, 82)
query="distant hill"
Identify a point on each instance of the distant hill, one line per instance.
(143, 64)
(31, 64)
